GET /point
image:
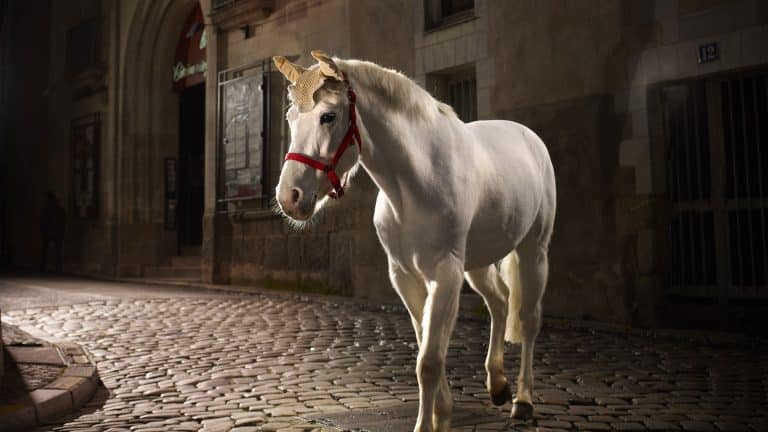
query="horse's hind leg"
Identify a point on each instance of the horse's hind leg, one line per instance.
(487, 282)
(534, 268)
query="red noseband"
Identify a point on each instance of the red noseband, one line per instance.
(330, 169)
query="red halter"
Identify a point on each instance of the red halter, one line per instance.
(330, 169)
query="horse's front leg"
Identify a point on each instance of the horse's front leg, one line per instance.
(412, 292)
(443, 282)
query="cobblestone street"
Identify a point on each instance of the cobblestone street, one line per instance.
(262, 361)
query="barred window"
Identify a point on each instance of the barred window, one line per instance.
(439, 13)
(458, 88)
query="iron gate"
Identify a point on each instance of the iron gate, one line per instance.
(715, 133)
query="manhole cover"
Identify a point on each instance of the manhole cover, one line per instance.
(400, 418)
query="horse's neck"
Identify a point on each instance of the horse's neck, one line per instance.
(391, 152)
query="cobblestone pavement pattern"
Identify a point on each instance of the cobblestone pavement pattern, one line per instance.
(256, 362)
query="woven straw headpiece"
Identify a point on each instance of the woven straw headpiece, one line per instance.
(305, 82)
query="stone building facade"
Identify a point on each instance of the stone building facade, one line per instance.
(643, 105)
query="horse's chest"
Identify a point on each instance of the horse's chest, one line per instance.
(409, 236)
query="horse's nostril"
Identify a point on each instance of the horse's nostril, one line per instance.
(295, 195)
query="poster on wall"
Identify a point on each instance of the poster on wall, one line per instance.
(86, 140)
(243, 125)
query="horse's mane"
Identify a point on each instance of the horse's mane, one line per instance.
(393, 91)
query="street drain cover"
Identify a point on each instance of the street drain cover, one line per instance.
(399, 418)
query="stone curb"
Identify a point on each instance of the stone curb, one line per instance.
(69, 392)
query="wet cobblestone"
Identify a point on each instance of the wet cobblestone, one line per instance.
(258, 362)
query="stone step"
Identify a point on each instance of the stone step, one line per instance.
(167, 272)
(185, 261)
(190, 251)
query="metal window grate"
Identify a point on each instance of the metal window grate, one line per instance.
(689, 180)
(717, 182)
(744, 119)
(463, 97)
(443, 13)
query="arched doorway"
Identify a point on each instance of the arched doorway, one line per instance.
(152, 114)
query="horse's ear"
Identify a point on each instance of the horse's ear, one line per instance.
(290, 70)
(327, 66)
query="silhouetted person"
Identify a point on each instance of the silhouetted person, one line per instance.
(53, 220)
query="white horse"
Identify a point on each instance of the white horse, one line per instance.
(455, 199)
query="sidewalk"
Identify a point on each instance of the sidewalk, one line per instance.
(42, 381)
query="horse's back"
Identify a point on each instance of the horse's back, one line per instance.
(517, 185)
(507, 141)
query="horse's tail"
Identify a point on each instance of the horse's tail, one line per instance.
(510, 273)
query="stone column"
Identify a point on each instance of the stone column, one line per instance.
(208, 248)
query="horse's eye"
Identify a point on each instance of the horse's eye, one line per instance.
(327, 118)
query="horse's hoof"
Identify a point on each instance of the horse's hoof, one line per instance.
(502, 397)
(522, 411)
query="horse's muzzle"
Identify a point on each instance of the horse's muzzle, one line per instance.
(293, 204)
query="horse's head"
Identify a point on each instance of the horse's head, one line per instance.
(321, 119)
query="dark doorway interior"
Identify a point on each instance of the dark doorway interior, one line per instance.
(191, 183)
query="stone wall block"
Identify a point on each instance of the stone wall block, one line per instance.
(645, 68)
(754, 47)
(669, 31)
(315, 252)
(639, 119)
(448, 53)
(258, 247)
(372, 283)
(293, 252)
(479, 45)
(429, 59)
(246, 273)
(341, 248)
(419, 61)
(646, 248)
(635, 213)
(634, 152)
(461, 50)
(275, 252)
(645, 307)
(625, 181)
(666, 9)
(484, 108)
(728, 17)
(687, 63)
(238, 246)
(668, 62)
